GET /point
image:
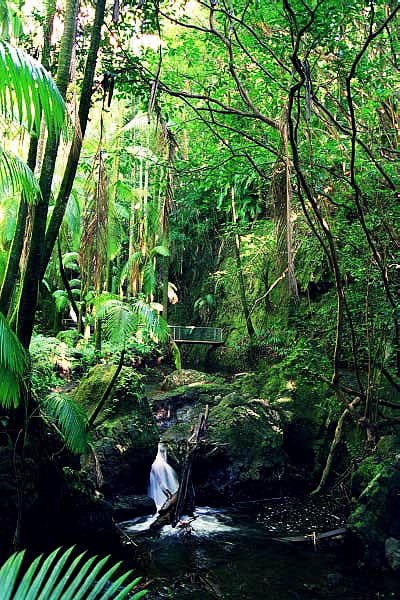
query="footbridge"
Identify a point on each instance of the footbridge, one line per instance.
(189, 334)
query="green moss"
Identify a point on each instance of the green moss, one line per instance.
(371, 517)
(250, 432)
(126, 394)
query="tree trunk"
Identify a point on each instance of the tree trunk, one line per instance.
(14, 255)
(33, 270)
(242, 288)
(58, 212)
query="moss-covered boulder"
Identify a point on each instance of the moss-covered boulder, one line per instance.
(242, 451)
(244, 439)
(187, 377)
(125, 436)
(127, 390)
(376, 516)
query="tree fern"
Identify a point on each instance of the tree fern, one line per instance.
(121, 320)
(60, 577)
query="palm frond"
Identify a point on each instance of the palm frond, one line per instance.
(12, 354)
(69, 418)
(149, 278)
(59, 577)
(16, 176)
(28, 93)
(10, 390)
(156, 325)
(118, 320)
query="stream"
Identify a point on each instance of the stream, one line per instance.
(238, 553)
(232, 554)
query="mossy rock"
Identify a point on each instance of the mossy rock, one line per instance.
(241, 451)
(127, 391)
(249, 432)
(187, 377)
(126, 436)
(376, 515)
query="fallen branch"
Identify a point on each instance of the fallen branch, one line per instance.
(314, 537)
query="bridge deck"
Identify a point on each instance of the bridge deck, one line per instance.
(196, 335)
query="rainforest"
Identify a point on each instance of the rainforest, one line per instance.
(199, 299)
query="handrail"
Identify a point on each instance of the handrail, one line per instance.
(196, 335)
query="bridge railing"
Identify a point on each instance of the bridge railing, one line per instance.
(196, 335)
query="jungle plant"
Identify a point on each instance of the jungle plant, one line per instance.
(13, 366)
(61, 576)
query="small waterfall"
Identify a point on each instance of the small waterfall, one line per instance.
(162, 477)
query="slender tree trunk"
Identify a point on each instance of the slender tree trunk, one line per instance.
(33, 270)
(58, 212)
(14, 255)
(245, 306)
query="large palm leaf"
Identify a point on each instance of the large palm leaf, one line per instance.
(60, 577)
(28, 93)
(16, 176)
(13, 365)
(69, 418)
(121, 319)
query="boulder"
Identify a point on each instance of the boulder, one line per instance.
(127, 391)
(244, 442)
(125, 436)
(187, 377)
(376, 516)
(392, 553)
(242, 452)
(130, 506)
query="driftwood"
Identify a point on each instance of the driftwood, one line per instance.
(186, 486)
(314, 537)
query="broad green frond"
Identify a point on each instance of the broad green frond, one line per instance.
(13, 366)
(10, 389)
(16, 176)
(149, 278)
(118, 320)
(70, 261)
(70, 419)
(156, 325)
(28, 93)
(60, 577)
(61, 300)
(13, 357)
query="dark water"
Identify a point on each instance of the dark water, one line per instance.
(235, 555)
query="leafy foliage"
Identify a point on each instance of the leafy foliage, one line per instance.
(61, 577)
(69, 418)
(13, 366)
(27, 92)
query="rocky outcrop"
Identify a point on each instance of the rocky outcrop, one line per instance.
(187, 377)
(242, 453)
(375, 521)
(130, 506)
(125, 436)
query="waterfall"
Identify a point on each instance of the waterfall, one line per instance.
(162, 477)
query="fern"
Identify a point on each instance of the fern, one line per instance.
(13, 365)
(69, 418)
(59, 577)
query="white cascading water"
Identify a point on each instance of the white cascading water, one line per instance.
(162, 477)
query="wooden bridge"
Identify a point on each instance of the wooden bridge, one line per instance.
(196, 335)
